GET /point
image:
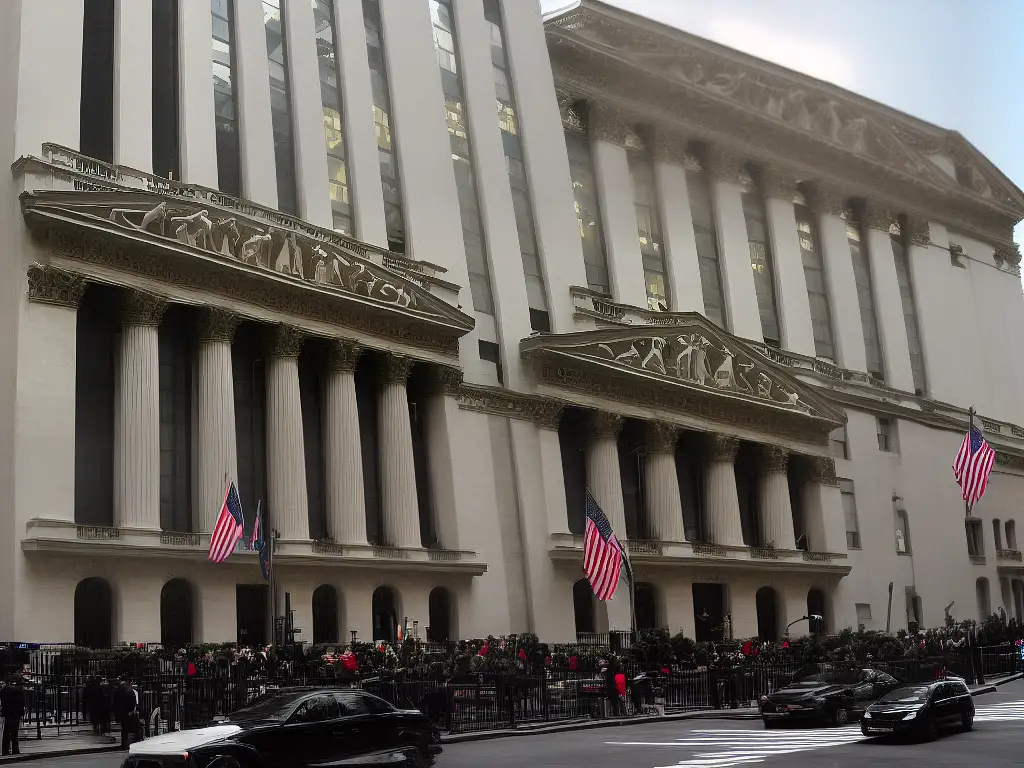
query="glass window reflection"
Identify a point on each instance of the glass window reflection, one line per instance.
(652, 251)
(334, 126)
(814, 276)
(866, 300)
(706, 240)
(588, 214)
(229, 178)
(280, 111)
(761, 262)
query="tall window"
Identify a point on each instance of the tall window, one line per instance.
(899, 252)
(334, 127)
(508, 122)
(837, 443)
(761, 260)
(165, 89)
(707, 246)
(462, 159)
(814, 276)
(96, 121)
(850, 514)
(229, 176)
(280, 108)
(975, 538)
(393, 216)
(588, 212)
(866, 299)
(648, 224)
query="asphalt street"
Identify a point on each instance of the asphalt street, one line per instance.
(996, 741)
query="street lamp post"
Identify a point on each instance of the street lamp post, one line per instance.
(815, 616)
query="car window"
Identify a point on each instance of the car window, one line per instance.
(316, 709)
(960, 688)
(908, 695)
(354, 703)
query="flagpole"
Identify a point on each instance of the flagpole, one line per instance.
(273, 586)
(970, 428)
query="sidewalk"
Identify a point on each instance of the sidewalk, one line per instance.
(61, 746)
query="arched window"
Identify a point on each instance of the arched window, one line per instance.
(997, 533)
(767, 603)
(902, 532)
(984, 598)
(817, 618)
(385, 614)
(325, 614)
(583, 606)
(94, 614)
(1011, 535)
(176, 614)
(439, 630)
(645, 603)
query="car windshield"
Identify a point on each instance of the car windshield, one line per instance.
(910, 695)
(826, 673)
(270, 706)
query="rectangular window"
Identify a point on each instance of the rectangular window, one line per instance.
(704, 234)
(866, 300)
(975, 537)
(814, 276)
(165, 89)
(886, 429)
(648, 224)
(393, 216)
(96, 112)
(508, 122)
(761, 260)
(863, 616)
(837, 443)
(850, 514)
(280, 106)
(899, 252)
(229, 174)
(588, 213)
(445, 43)
(334, 124)
(489, 352)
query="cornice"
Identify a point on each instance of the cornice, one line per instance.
(544, 411)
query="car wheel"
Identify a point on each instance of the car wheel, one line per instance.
(770, 725)
(841, 716)
(223, 761)
(967, 722)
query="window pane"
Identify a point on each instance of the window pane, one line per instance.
(652, 251)
(814, 275)
(865, 298)
(334, 129)
(229, 179)
(280, 111)
(761, 263)
(707, 246)
(899, 253)
(588, 215)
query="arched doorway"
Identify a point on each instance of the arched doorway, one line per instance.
(385, 614)
(583, 607)
(94, 613)
(767, 603)
(325, 614)
(439, 630)
(645, 603)
(816, 608)
(176, 614)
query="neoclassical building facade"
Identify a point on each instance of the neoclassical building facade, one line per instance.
(417, 274)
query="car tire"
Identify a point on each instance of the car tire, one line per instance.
(224, 761)
(841, 716)
(769, 725)
(967, 722)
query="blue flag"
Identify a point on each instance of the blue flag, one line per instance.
(259, 544)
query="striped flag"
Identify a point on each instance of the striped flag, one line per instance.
(603, 556)
(973, 465)
(228, 529)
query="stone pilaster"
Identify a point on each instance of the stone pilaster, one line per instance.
(343, 457)
(399, 503)
(775, 510)
(603, 476)
(137, 414)
(662, 483)
(286, 461)
(722, 504)
(217, 456)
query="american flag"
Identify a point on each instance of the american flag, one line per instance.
(603, 556)
(973, 464)
(228, 529)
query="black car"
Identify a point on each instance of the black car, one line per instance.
(297, 728)
(825, 693)
(921, 710)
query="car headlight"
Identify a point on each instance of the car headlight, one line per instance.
(911, 715)
(867, 715)
(764, 699)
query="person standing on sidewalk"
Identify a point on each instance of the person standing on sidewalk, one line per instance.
(126, 712)
(12, 707)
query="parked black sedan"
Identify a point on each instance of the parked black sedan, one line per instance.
(921, 710)
(825, 693)
(297, 728)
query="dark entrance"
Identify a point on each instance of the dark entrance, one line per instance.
(440, 606)
(385, 615)
(325, 614)
(583, 607)
(94, 613)
(709, 612)
(251, 614)
(176, 614)
(816, 616)
(767, 614)
(645, 604)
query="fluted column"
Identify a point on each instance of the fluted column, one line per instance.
(137, 414)
(216, 449)
(343, 456)
(286, 458)
(662, 483)
(721, 502)
(774, 507)
(603, 476)
(399, 504)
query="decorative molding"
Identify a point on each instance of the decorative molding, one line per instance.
(49, 285)
(608, 122)
(343, 355)
(568, 108)
(141, 308)
(1009, 460)
(777, 183)
(918, 231)
(215, 324)
(875, 216)
(177, 539)
(672, 147)
(725, 164)
(662, 437)
(1008, 254)
(820, 469)
(97, 532)
(394, 369)
(605, 425)
(722, 447)
(450, 379)
(825, 199)
(774, 458)
(545, 412)
(284, 341)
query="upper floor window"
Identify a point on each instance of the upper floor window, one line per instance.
(165, 89)
(866, 300)
(706, 239)
(899, 252)
(997, 533)
(850, 514)
(225, 102)
(837, 442)
(334, 124)
(96, 113)
(760, 259)
(648, 221)
(886, 431)
(814, 276)
(588, 213)
(975, 538)
(1011, 535)
(280, 106)
(902, 532)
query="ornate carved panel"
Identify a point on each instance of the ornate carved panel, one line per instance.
(343, 355)
(49, 285)
(141, 308)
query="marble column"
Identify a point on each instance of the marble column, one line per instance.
(137, 414)
(664, 504)
(399, 503)
(343, 456)
(286, 459)
(603, 477)
(823, 506)
(216, 449)
(721, 501)
(774, 508)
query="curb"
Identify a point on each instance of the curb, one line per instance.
(49, 754)
(991, 688)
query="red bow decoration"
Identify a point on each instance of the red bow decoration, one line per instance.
(482, 651)
(573, 662)
(547, 661)
(522, 654)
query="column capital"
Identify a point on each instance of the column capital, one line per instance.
(343, 355)
(774, 458)
(547, 414)
(49, 285)
(876, 216)
(608, 122)
(662, 437)
(1008, 254)
(141, 308)
(284, 341)
(725, 164)
(825, 199)
(572, 120)
(605, 424)
(918, 231)
(216, 324)
(722, 447)
(821, 469)
(448, 380)
(777, 183)
(394, 369)
(673, 147)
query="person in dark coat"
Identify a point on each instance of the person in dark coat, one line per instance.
(93, 705)
(611, 687)
(126, 712)
(12, 707)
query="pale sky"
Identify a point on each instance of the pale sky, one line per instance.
(956, 63)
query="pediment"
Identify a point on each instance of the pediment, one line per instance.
(693, 358)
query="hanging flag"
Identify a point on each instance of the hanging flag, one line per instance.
(973, 465)
(603, 556)
(258, 544)
(228, 529)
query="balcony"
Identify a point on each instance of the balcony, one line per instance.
(1013, 555)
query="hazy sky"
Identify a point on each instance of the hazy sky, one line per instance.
(955, 63)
